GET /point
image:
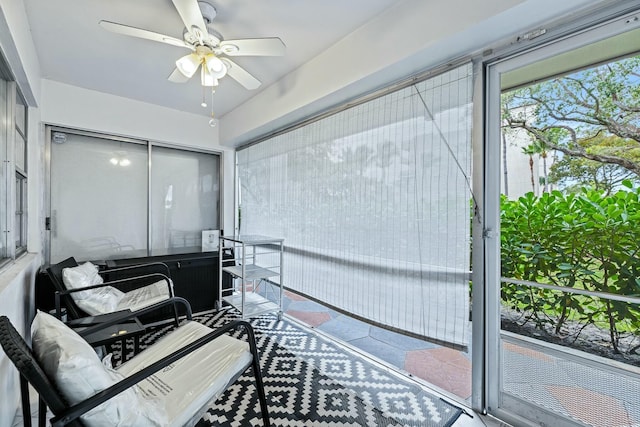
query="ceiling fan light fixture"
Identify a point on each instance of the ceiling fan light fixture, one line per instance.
(207, 79)
(215, 66)
(188, 64)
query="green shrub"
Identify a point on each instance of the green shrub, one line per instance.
(587, 240)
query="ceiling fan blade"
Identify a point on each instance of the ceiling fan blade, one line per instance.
(143, 34)
(177, 77)
(191, 15)
(270, 46)
(241, 75)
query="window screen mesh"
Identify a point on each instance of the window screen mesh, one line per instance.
(374, 205)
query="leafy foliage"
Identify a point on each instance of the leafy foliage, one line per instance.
(573, 173)
(586, 240)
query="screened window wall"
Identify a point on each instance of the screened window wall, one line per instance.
(374, 204)
(118, 198)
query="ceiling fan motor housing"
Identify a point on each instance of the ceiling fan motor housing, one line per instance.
(208, 11)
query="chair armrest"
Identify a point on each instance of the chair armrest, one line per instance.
(148, 268)
(80, 408)
(96, 320)
(141, 281)
(115, 318)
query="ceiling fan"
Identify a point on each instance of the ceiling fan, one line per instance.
(209, 51)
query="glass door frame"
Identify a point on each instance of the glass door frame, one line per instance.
(488, 396)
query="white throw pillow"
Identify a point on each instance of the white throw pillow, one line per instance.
(80, 277)
(100, 300)
(94, 301)
(74, 367)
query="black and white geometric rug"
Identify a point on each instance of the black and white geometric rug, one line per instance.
(310, 381)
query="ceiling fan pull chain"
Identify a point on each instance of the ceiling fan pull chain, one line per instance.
(212, 120)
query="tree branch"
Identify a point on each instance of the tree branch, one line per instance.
(578, 151)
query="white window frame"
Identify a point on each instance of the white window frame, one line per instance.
(21, 208)
(8, 226)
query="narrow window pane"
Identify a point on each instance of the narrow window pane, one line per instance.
(18, 219)
(20, 232)
(185, 198)
(21, 115)
(4, 200)
(20, 152)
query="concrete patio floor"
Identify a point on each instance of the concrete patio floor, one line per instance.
(561, 386)
(443, 367)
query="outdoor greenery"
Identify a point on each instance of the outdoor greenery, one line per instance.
(582, 229)
(587, 241)
(590, 120)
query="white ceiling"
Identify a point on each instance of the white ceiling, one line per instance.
(72, 48)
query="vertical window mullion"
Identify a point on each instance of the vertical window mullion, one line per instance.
(4, 183)
(21, 176)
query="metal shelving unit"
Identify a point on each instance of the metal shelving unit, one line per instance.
(256, 260)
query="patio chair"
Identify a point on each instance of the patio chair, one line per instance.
(83, 291)
(171, 383)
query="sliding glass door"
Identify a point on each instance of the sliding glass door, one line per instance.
(115, 197)
(98, 197)
(562, 148)
(184, 199)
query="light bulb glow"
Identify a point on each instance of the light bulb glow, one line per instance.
(215, 66)
(188, 64)
(120, 159)
(207, 79)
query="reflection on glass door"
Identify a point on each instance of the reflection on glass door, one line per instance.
(98, 198)
(184, 199)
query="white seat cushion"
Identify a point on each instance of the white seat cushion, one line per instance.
(145, 296)
(195, 380)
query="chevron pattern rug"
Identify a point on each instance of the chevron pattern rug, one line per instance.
(311, 381)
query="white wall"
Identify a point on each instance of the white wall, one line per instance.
(412, 36)
(75, 107)
(17, 303)
(17, 46)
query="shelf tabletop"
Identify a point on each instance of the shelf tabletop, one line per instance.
(251, 272)
(253, 239)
